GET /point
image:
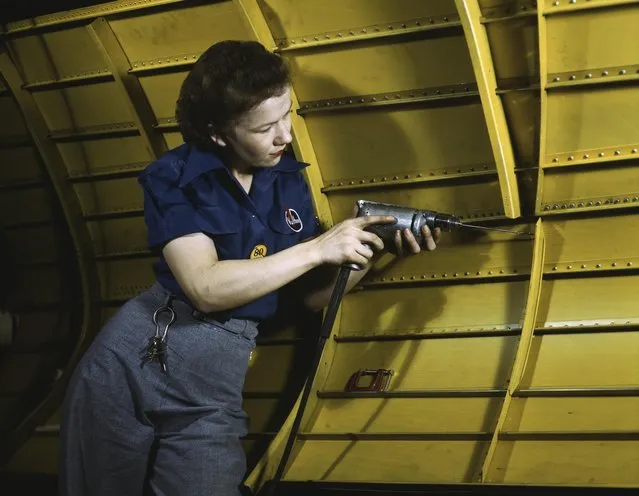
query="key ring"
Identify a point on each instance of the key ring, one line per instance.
(162, 309)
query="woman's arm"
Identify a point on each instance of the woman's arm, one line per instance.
(213, 285)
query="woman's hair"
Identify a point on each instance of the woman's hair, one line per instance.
(229, 78)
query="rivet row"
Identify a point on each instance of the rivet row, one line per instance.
(620, 71)
(436, 93)
(169, 61)
(404, 177)
(445, 275)
(600, 154)
(397, 27)
(69, 77)
(591, 203)
(587, 267)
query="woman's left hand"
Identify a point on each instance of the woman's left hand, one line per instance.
(405, 242)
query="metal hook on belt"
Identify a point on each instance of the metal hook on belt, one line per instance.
(157, 343)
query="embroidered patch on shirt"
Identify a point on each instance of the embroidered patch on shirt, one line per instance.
(258, 252)
(293, 219)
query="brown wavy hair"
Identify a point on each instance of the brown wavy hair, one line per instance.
(230, 78)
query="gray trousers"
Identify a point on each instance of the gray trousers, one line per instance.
(129, 429)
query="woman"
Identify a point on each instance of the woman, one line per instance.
(232, 219)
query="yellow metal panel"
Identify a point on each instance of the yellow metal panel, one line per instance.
(39, 455)
(593, 40)
(294, 18)
(592, 185)
(19, 164)
(467, 200)
(83, 106)
(162, 91)
(173, 139)
(34, 206)
(260, 413)
(400, 141)
(460, 363)
(573, 462)
(433, 309)
(112, 196)
(119, 235)
(124, 279)
(99, 154)
(576, 414)
(37, 244)
(461, 255)
(596, 299)
(387, 461)
(603, 117)
(262, 376)
(514, 50)
(12, 123)
(408, 415)
(522, 110)
(58, 54)
(364, 69)
(587, 360)
(571, 241)
(189, 30)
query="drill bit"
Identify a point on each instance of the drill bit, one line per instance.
(519, 233)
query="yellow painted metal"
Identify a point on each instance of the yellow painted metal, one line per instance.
(542, 48)
(438, 309)
(110, 196)
(585, 39)
(587, 360)
(391, 143)
(119, 235)
(523, 351)
(481, 57)
(552, 7)
(387, 461)
(407, 415)
(428, 364)
(471, 201)
(575, 414)
(56, 170)
(174, 33)
(376, 68)
(300, 18)
(110, 8)
(97, 155)
(124, 279)
(590, 463)
(575, 242)
(583, 120)
(131, 90)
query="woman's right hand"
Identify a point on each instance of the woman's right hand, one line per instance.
(348, 242)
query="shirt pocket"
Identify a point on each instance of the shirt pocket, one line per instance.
(284, 235)
(223, 228)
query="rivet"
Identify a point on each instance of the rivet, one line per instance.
(478, 273)
(402, 278)
(588, 76)
(315, 38)
(555, 159)
(573, 77)
(614, 264)
(384, 178)
(455, 274)
(635, 198)
(634, 150)
(444, 275)
(466, 273)
(617, 152)
(622, 72)
(604, 73)
(501, 271)
(570, 157)
(598, 266)
(583, 266)
(601, 154)
(556, 4)
(586, 156)
(573, 1)
(547, 207)
(580, 204)
(598, 202)
(363, 31)
(490, 272)
(626, 200)
(629, 264)
(412, 278)
(569, 267)
(554, 268)
(572, 205)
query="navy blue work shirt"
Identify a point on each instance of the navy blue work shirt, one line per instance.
(188, 191)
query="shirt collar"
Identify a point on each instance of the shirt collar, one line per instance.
(198, 162)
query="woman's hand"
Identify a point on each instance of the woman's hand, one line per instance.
(405, 241)
(348, 242)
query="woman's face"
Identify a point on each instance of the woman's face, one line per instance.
(261, 134)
